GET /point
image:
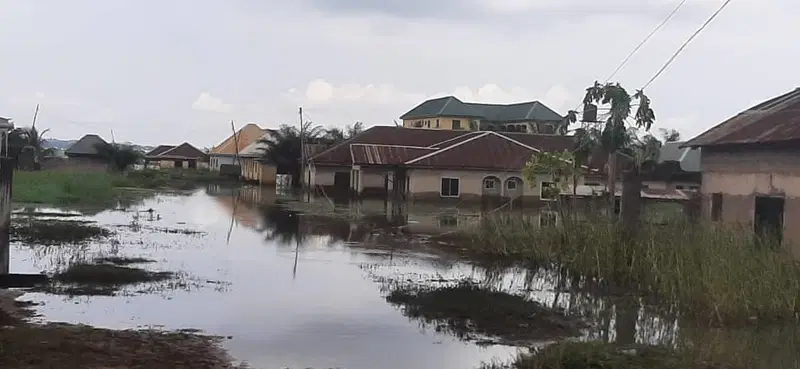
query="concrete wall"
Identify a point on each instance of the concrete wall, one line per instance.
(427, 184)
(438, 123)
(217, 160)
(257, 171)
(75, 164)
(742, 175)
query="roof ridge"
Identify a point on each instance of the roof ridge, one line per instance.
(447, 148)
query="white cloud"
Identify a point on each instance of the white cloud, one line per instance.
(207, 102)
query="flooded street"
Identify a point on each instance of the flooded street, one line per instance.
(327, 311)
(301, 291)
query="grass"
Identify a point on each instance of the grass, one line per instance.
(108, 275)
(594, 355)
(478, 314)
(102, 188)
(713, 273)
(64, 188)
(54, 232)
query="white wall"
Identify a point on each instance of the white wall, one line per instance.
(217, 160)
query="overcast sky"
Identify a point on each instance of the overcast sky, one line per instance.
(168, 71)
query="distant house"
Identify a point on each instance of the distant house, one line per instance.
(182, 156)
(84, 154)
(435, 164)
(226, 152)
(676, 169)
(450, 113)
(751, 168)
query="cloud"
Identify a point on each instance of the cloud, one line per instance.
(533, 12)
(209, 103)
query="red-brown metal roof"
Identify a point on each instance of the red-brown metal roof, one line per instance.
(775, 120)
(368, 154)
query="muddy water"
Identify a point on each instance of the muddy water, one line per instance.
(307, 291)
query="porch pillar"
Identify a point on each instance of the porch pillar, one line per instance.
(356, 185)
(6, 175)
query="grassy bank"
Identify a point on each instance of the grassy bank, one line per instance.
(102, 188)
(474, 313)
(713, 273)
(28, 345)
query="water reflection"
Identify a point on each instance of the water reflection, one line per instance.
(299, 284)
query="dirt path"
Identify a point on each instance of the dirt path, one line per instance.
(25, 345)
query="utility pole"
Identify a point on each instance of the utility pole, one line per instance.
(302, 150)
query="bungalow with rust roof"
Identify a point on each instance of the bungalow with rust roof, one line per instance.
(750, 168)
(434, 164)
(182, 156)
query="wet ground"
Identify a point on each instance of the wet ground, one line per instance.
(310, 291)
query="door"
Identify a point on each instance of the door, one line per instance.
(768, 218)
(341, 182)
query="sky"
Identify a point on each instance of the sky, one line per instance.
(165, 72)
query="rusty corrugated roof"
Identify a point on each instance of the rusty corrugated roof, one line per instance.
(774, 120)
(370, 154)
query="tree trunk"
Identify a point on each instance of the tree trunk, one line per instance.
(612, 181)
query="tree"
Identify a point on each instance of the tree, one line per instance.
(669, 135)
(28, 141)
(119, 157)
(615, 135)
(334, 136)
(559, 166)
(283, 147)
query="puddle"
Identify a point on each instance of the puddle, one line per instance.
(308, 291)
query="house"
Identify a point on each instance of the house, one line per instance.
(254, 167)
(450, 113)
(182, 156)
(750, 167)
(435, 163)
(226, 152)
(676, 169)
(83, 154)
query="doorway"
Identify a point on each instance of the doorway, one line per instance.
(768, 218)
(341, 182)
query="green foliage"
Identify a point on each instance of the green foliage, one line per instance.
(120, 157)
(712, 272)
(64, 188)
(28, 140)
(558, 165)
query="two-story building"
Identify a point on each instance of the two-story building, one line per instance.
(450, 113)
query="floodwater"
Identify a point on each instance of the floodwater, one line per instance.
(307, 291)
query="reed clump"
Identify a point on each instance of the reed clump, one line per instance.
(712, 272)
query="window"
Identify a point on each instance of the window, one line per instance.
(437, 123)
(450, 187)
(456, 124)
(511, 184)
(548, 218)
(488, 184)
(716, 206)
(548, 191)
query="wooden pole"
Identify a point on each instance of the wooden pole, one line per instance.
(302, 150)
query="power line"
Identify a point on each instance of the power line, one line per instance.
(653, 32)
(639, 46)
(675, 55)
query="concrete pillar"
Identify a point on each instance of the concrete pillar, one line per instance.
(6, 175)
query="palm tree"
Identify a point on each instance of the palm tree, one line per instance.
(282, 147)
(28, 140)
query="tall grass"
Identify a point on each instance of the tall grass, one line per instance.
(63, 188)
(712, 272)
